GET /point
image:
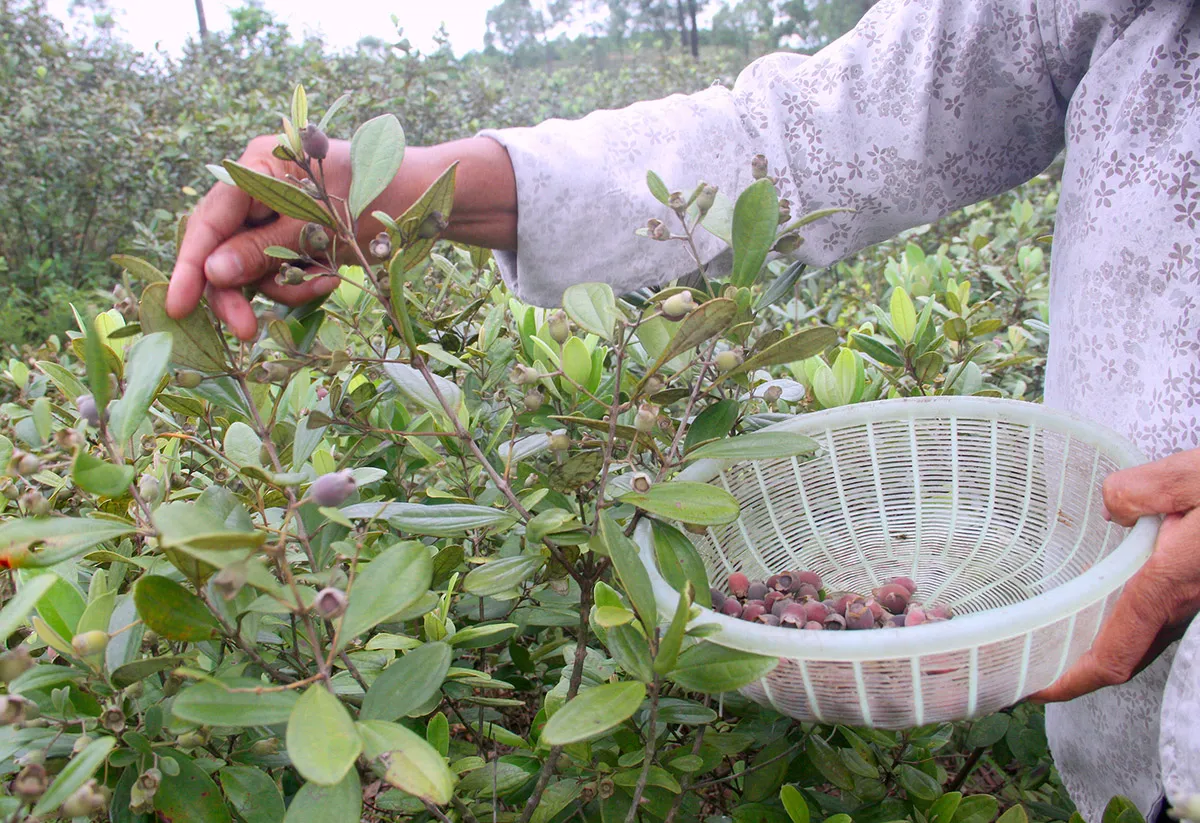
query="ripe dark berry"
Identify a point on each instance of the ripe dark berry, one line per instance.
(815, 610)
(781, 603)
(859, 616)
(835, 622)
(86, 405)
(896, 621)
(718, 598)
(332, 489)
(939, 612)
(893, 596)
(906, 582)
(757, 591)
(915, 616)
(805, 591)
(753, 610)
(732, 608)
(314, 142)
(811, 578)
(739, 584)
(768, 620)
(814, 625)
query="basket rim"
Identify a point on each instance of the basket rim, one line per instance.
(964, 632)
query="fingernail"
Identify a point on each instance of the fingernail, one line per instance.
(223, 268)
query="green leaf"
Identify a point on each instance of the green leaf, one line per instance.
(139, 268)
(98, 476)
(762, 445)
(593, 712)
(699, 503)
(327, 804)
(278, 195)
(77, 772)
(1119, 810)
(799, 346)
(438, 197)
(66, 382)
(904, 315)
(482, 636)
(592, 306)
(1015, 814)
(61, 606)
(252, 794)
(198, 526)
(189, 795)
(713, 423)
(145, 367)
(766, 771)
(710, 669)
(390, 583)
(755, 221)
(502, 575)
(97, 364)
(917, 784)
(781, 287)
(21, 605)
(440, 521)
(987, 731)
(555, 798)
(657, 187)
(672, 639)
(943, 809)
(612, 616)
(828, 763)
(407, 761)
(632, 574)
(876, 350)
(793, 804)
(376, 151)
(171, 610)
(210, 704)
(408, 683)
(321, 739)
(139, 670)
(980, 808)
(631, 652)
(679, 562)
(53, 540)
(195, 343)
(705, 321)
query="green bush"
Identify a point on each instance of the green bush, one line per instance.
(374, 565)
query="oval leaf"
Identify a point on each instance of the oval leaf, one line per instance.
(21, 605)
(209, 704)
(278, 195)
(502, 575)
(761, 445)
(407, 761)
(171, 610)
(321, 739)
(755, 221)
(390, 583)
(99, 476)
(195, 343)
(77, 772)
(593, 712)
(326, 804)
(706, 321)
(710, 669)
(689, 502)
(408, 683)
(252, 794)
(592, 306)
(188, 795)
(799, 346)
(376, 151)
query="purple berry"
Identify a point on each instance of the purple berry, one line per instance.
(757, 591)
(768, 620)
(780, 605)
(806, 592)
(86, 405)
(842, 601)
(739, 584)
(732, 608)
(771, 598)
(332, 489)
(893, 597)
(859, 616)
(815, 610)
(718, 597)
(939, 612)
(876, 609)
(915, 615)
(906, 582)
(814, 625)
(834, 622)
(810, 578)
(781, 582)
(896, 621)
(753, 610)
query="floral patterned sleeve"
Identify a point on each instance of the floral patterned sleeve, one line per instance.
(925, 106)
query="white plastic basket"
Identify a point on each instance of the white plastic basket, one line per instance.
(992, 506)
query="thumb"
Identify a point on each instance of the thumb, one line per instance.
(1165, 486)
(241, 260)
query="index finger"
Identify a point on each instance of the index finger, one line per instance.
(218, 216)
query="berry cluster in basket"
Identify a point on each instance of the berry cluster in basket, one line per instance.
(796, 600)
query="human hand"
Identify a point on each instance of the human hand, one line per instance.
(222, 250)
(1157, 604)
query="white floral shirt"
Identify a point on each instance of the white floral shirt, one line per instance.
(928, 105)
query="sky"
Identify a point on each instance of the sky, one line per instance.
(166, 24)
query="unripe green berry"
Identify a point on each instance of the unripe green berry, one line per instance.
(533, 400)
(90, 644)
(149, 488)
(646, 418)
(191, 740)
(706, 198)
(657, 230)
(678, 305)
(727, 360)
(30, 783)
(313, 236)
(14, 663)
(788, 243)
(188, 379)
(785, 211)
(290, 275)
(332, 489)
(522, 375)
(85, 801)
(640, 482)
(13, 709)
(559, 441)
(433, 225)
(676, 202)
(35, 503)
(758, 166)
(113, 720)
(24, 464)
(558, 326)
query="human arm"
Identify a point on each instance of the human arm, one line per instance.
(1157, 604)
(223, 247)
